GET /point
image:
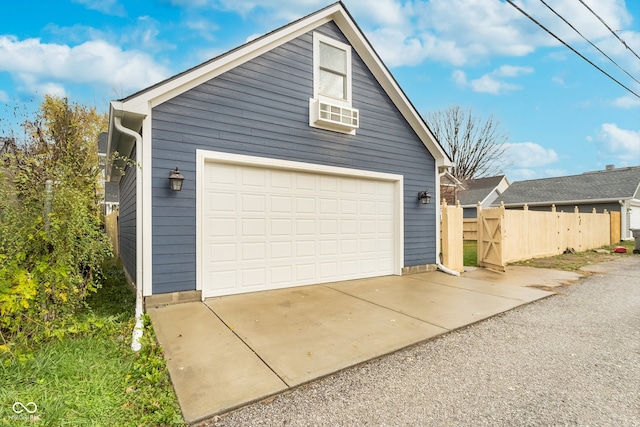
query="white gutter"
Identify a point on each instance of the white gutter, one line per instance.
(139, 327)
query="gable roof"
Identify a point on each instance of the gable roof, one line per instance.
(133, 109)
(589, 187)
(477, 190)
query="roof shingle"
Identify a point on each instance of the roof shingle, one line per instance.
(614, 184)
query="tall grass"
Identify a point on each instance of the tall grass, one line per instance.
(92, 378)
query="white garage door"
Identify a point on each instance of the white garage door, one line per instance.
(266, 228)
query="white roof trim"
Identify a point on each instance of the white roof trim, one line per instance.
(142, 103)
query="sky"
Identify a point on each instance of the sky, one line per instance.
(561, 114)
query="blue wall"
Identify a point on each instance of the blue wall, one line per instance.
(127, 217)
(261, 108)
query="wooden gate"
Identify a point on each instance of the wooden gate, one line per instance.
(490, 238)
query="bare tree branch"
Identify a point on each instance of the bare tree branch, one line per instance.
(475, 145)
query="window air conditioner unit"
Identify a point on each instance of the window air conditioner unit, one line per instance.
(335, 117)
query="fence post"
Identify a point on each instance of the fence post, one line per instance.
(614, 224)
(452, 237)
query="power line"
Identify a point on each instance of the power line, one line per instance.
(609, 28)
(588, 41)
(572, 49)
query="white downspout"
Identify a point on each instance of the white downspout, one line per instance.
(139, 327)
(440, 266)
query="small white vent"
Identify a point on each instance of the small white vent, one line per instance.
(335, 117)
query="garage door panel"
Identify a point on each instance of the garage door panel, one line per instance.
(282, 275)
(305, 248)
(367, 207)
(281, 227)
(305, 182)
(348, 226)
(221, 252)
(253, 227)
(349, 269)
(305, 272)
(220, 202)
(281, 180)
(348, 247)
(253, 177)
(280, 250)
(328, 183)
(305, 205)
(280, 204)
(253, 277)
(224, 280)
(328, 206)
(328, 227)
(266, 228)
(255, 203)
(328, 270)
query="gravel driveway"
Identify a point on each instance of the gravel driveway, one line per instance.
(569, 360)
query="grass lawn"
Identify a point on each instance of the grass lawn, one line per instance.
(92, 378)
(578, 260)
(567, 261)
(470, 256)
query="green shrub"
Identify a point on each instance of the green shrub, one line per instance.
(51, 240)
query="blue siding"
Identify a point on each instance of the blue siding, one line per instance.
(261, 108)
(127, 218)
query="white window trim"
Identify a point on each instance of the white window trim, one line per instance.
(317, 38)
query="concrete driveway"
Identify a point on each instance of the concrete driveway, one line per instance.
(228, 351)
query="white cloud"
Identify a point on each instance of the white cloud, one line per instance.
(492, 82)
(623, 144)
(626, 102)
(41, 66)
(109, 7)
(144, 35)
(457, 32)
(524, 155)
(4, 96)
(459, 77)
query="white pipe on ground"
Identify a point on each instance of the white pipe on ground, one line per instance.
(447, 270)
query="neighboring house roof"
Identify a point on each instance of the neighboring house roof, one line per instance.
(590, 187)
(133, 109)
(479, 189)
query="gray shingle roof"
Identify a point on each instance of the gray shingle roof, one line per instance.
(476, 190)
(614, 184)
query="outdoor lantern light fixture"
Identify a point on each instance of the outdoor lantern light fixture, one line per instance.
(175, 179)
(424, 197)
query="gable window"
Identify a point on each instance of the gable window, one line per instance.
(332, 79)
(330, 107)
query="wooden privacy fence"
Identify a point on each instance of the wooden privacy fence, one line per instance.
(508, 235)
(470, 228)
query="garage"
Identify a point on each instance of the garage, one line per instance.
(269, 224)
